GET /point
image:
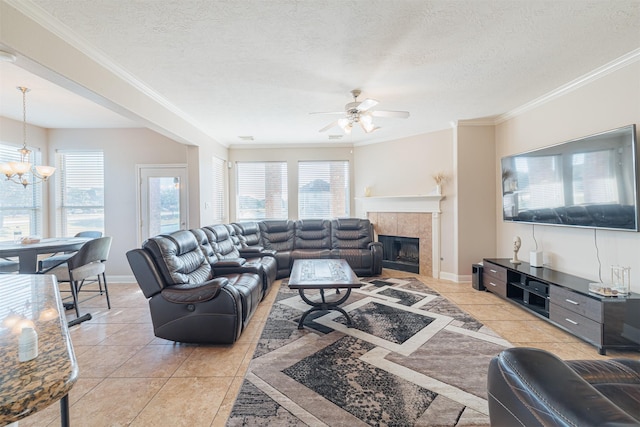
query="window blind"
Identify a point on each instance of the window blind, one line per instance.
(261, 190)
(218, 189)
(323, 189)
(20, 207)
(80, 191)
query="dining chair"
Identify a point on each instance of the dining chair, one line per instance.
(86, 265)
(8, 265)
(59, 258)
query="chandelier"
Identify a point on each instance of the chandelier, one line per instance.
(23, 172)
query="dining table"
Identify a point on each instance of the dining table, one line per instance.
(33, 301)
(28, 251)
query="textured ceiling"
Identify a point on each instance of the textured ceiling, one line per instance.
(250, 67)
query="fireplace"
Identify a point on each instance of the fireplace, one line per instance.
(401, 253)
(408, 216)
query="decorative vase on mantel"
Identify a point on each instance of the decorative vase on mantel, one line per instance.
(439, 189)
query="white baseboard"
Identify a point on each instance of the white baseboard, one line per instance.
(452, 277)
(121, 279)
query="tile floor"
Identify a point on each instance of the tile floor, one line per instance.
(130, 377)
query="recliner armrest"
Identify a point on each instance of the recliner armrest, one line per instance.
(251, 249)
(260, 254)
(190, 293)
(231, 262)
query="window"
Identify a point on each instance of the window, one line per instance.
(323, 189)
(219, 185)
(80, 191)
(20, 207)
(594, 177)
(262, 190)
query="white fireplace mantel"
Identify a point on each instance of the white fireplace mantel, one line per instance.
(426, 203)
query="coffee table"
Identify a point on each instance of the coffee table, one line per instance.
(321, 274)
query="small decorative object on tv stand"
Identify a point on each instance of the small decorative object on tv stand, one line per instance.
(620, 279)
(620, 284)
(516, 247)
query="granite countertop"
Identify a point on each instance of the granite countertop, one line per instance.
(27, 387)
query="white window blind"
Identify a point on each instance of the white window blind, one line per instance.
(594, 177)
(261, 190)
(323, 189)
(20, 207)
(80, 191)
(218, 189)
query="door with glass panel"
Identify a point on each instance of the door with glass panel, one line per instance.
(163, 200)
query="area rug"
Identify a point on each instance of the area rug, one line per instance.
(412, 358)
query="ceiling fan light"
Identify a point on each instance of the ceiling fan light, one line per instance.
(347, 129)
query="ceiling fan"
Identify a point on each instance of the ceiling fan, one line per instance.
(362, 113)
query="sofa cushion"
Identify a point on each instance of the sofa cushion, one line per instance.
(179, 258)
(312, 234)
(207, 242)
(248, 233)
(351, 233)
(277, 235)
(188, 293)
(225, 245)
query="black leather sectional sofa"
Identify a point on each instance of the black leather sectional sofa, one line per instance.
(532, 387)
(608, 216)
(204, 285)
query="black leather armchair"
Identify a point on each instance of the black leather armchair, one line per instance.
(531, 387)
(187, 303)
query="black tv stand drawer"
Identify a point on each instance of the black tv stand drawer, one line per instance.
(564, 300)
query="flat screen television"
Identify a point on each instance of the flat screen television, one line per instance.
(586, 182)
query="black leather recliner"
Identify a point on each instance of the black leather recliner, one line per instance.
(277, 235)
(532, 387)
(352, 239)
(187, 302)
(312, 239)
(228, 249)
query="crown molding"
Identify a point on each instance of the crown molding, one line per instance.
(594, 75)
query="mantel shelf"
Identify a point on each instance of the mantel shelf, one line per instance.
(408, 197)
(408, 203)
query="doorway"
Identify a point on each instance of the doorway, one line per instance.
(162, 199)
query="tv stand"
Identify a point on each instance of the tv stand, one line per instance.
(565, 301)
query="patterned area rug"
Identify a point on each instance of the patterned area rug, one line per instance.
(412, 359)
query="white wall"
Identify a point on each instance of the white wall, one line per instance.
(291, 155)
(406, 167)
(200, 179)
(609, 102)
(123, 150)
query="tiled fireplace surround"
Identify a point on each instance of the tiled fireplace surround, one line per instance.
(409, 216)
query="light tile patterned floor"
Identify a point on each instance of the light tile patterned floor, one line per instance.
(129, 377)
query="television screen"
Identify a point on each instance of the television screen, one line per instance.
(587, 182)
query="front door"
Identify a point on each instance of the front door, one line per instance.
(163, 199)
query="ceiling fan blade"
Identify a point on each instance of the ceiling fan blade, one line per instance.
(329, 126)
(328, 112)
(394, 114)
(366, 104)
